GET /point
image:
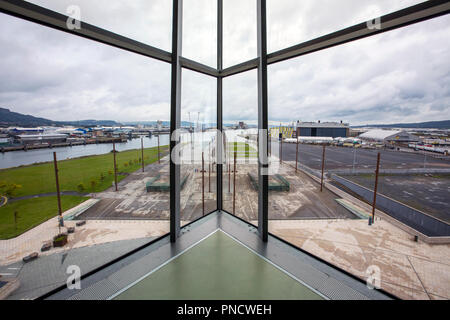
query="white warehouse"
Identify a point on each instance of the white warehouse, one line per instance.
(388, 136)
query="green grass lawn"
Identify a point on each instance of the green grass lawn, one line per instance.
(32, 212)
(40, 178)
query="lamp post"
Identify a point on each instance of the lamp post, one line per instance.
(115, 165)
(323, 167)
(296, 157)
(142, 153)
(234, 185)
(203, 184)
(375, 188)
(58, 194)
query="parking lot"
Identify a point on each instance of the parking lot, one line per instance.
(344, 158)
(427, 193)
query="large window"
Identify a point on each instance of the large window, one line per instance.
(239, 31)
(397, 77)
(290, 22)
(114, 15)
(80, 100)
(85, 130)
(240, 170)
(198, 146)
(200, 31)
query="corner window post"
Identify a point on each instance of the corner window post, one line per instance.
(263, 164)
(175, 118)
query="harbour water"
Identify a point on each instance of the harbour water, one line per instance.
(17, 158)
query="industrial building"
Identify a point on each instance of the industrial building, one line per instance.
(41, 138)
(388, 136)
(322, 129)
(5, 139)
(285, 131)
(17, 131)
(311, 129)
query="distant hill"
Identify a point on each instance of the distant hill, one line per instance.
(445, 124)
(9, 118)
(154, 123)
(166, 123)
(90, 123)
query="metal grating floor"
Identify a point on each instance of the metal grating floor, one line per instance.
(284, 265)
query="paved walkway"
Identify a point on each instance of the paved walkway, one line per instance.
(94, 232)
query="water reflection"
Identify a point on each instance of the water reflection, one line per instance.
(17, 158)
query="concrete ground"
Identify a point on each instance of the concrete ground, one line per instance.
(342, 158)
(191, 195)
(93, 232)
(409, 270)
(132, 201)
(303, 201)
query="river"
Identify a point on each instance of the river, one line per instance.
(16, 158)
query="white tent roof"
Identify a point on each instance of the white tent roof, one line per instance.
(378, 134)
(307, 138)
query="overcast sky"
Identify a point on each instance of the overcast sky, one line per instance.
(399, 76)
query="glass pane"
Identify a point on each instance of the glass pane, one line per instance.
(239, 31)
(396, 78)
(78, 99)
(240, 170)
(198, 141)
(151, 21)
(290, 22)
(200, 31)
